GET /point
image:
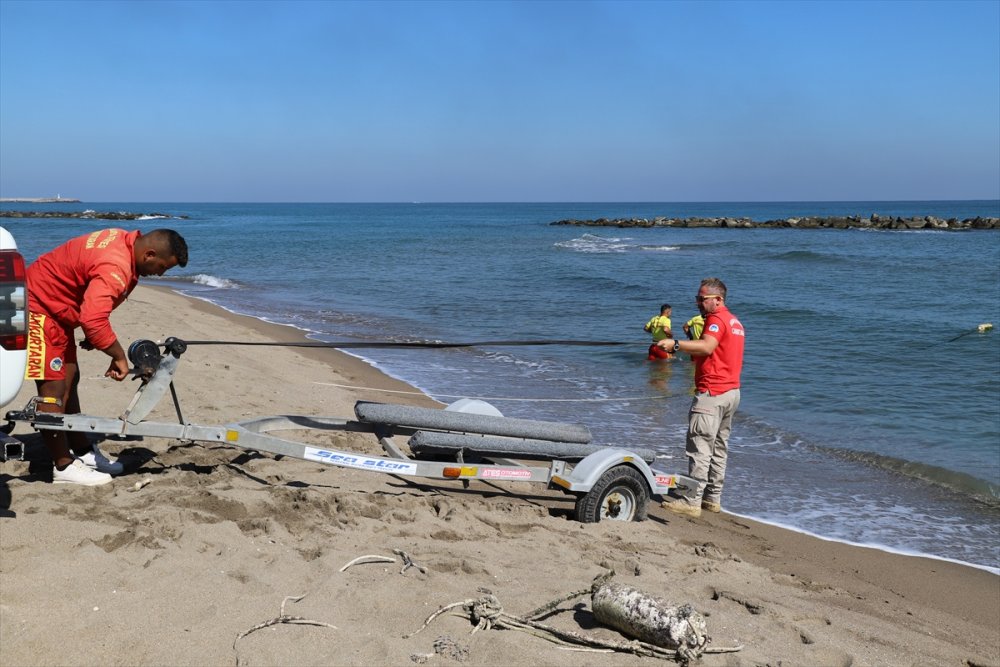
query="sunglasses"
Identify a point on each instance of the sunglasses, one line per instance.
(708, 296)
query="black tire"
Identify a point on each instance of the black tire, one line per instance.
(621, 494)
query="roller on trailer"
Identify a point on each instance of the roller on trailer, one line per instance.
(432, 443)
(486, 424)
(609, 483)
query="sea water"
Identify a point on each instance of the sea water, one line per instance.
(866, 416)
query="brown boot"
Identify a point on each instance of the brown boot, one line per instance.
(678, 506)
(709, 506)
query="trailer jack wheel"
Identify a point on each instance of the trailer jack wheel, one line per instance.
(620, 494)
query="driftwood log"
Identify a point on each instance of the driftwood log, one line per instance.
(649, 619)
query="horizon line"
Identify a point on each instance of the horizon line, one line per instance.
(74, 200)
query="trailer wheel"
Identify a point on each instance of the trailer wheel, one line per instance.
(620, 494)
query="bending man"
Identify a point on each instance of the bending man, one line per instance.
(78, 285)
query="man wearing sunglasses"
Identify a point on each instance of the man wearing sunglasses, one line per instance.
(718, 358)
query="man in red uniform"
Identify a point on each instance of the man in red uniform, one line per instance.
(78, 285)
(718, 357)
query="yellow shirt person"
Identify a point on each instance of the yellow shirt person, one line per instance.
(659, 328)
(694, 327)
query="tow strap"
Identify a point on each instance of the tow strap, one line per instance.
(418, 344)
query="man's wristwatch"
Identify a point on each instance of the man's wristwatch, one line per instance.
(677, 345)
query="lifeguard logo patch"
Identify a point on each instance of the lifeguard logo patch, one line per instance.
(56, 364)
(714, 328)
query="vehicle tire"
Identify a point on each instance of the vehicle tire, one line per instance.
(621, 494)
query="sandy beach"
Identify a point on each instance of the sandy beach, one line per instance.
(173, 573)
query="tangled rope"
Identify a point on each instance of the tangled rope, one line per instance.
(486, 613)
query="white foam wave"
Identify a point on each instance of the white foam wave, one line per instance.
(596, 244)
(152, 217)
(213, 281)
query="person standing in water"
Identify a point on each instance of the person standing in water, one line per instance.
(659, 327)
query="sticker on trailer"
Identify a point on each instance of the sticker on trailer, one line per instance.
(360, 462)
(666, 480)
(505, 473)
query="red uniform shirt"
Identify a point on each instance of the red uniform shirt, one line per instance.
(79, 283)
(720, 371)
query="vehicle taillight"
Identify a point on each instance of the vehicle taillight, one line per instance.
(13, 302)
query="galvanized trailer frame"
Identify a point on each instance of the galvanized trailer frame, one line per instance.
(611, 483)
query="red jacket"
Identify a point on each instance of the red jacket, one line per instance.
(79, 283)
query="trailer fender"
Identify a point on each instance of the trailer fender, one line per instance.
(586, 473)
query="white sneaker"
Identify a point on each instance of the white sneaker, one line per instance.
(77, 473)
(95, 460)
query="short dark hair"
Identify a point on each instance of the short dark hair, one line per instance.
(665, 307)
(716, 285)
(169, 239)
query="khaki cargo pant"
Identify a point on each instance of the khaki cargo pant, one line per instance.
(710, 422)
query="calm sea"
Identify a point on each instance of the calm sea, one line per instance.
(862, 419)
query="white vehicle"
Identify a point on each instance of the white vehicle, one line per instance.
(13, 335)
(13, 318)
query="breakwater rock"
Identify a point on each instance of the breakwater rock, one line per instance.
(38, 200)
(874, 221)
(89, 215)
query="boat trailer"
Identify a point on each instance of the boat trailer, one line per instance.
(468, 440)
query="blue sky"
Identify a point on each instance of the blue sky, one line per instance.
(499, 101)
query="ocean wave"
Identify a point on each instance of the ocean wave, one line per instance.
(659, 248)
(206, 280)
(877, 230)
(596, 244)
(806, 256)
(978, 489)
(153, 216)
(864, 545)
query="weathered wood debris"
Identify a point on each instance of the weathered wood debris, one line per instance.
(874, 221)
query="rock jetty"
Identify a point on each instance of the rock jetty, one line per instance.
(38, 200)
(874, 221)
(88, 215)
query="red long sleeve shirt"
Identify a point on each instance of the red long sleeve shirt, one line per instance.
(79, 283)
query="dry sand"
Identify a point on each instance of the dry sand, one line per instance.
(173, 573)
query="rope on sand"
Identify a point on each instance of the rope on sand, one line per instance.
(373, 558)
(281, 618)
(408, 561)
